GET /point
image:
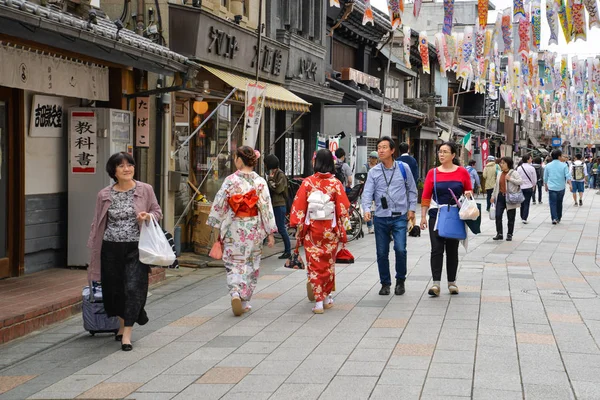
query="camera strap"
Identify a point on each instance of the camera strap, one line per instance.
(387, 190)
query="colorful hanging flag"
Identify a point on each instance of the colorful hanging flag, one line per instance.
(519, 10)
(395, 8)
(424, 51)
(524, 32)
(485, 151)
(564, 20)
(448, 16)
(464, 69)
(579, 30)
(592, 9)
(368, 15)
(442, 52)
(482, 11)
(334, 3)
(406, 46)
(417, 8)
(552, 17)
(507, 31)
(536, 23)
(479, 41)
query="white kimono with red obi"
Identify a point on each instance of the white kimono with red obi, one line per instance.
(321, 237)
(242, 211)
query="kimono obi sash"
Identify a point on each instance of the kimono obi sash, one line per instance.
(244, 205)
(320, 207)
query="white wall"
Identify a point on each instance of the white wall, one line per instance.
(343, 118)
(46, 159)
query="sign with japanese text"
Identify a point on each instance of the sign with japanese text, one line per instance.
(83, 143)
(485, 151)
(556, 142)
(255, 101)
(46, 116)
(142, 122)
(334, 143)
(41, 72)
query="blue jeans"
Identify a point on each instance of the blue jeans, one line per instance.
(555, 198)
(384, 226)
(279, 213)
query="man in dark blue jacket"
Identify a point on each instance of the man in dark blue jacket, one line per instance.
(408, 159)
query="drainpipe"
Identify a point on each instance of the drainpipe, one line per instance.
(139, 18)
(158, 145)
(166, 156)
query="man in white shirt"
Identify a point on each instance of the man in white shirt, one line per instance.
(529, 177)
(579, 174)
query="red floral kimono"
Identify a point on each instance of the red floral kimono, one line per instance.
(321, 237)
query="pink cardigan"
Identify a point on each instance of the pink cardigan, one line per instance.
(144, 200)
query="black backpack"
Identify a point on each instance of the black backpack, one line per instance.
(339, 173)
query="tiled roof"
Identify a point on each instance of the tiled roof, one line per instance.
(397, 108)
(104, 33)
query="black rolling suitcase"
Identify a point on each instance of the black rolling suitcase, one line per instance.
(95, 319)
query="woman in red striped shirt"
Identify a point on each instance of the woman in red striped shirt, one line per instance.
(448, 176)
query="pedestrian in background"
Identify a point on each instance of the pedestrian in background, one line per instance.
(278, 189)
(114, 239)
(579, 174)
(508, 182)
(342, 170)
(392, 186)
(405, 157)
(475, 183)
(447, 176)
(539, 172)
(489, 175)
(243, 213)
(529, 178)
(319, 212)
(556, 176)
(373, 161)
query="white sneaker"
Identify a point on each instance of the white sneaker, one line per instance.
(525, 222)
(371, 230)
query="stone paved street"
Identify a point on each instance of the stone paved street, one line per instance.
(525, 325)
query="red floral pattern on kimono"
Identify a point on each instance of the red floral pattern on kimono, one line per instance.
(321, 237)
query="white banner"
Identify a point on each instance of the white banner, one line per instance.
(46, 116)
(83, 144)
(255, 101)
(45, 73)
(334, 143)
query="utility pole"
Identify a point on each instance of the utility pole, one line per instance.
(261, 145)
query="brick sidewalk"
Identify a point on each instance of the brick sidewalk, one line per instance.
(526, 325)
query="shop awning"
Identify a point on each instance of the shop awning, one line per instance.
(455, 129)
(277, 97)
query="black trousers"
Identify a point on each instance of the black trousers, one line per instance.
(438, 246)
(124, 282)
(489, 198)
(527, 193)
(500, 207)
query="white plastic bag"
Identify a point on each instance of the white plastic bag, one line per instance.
(468, 209)
(493, 212)
(154, 247)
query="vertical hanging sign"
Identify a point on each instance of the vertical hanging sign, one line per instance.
(83, 146)
(142, 122)
(485, 151)
(255, 100)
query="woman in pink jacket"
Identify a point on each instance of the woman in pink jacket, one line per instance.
(120, 210)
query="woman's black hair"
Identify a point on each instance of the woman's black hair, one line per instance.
(525, 158)
(472, 162)
(537, 160)
(509, 161)
(271, 162)
(324, 162)
(452, 145)
(115, 160)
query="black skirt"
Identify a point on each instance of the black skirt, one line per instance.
(124, 282)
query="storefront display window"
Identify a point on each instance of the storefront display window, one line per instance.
(213, 147)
